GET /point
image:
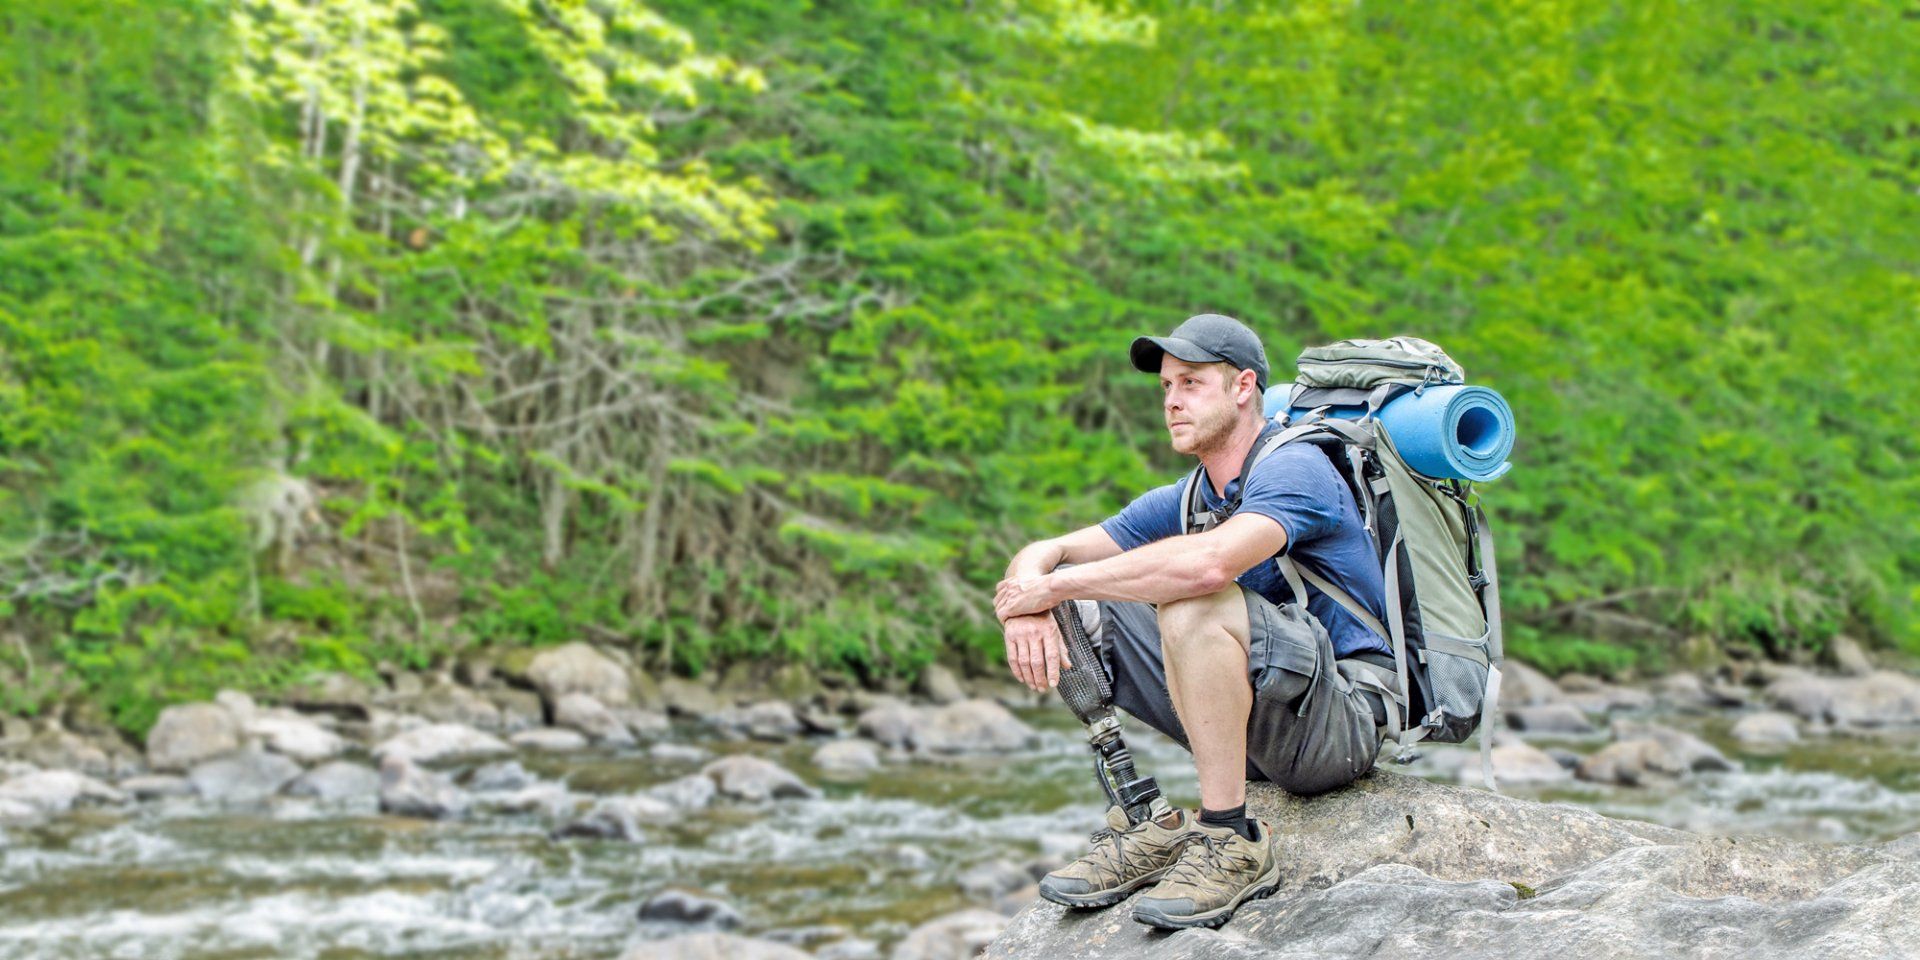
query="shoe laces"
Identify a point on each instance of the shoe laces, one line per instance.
(1207, 857)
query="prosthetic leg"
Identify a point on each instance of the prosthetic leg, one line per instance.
(1089, 694)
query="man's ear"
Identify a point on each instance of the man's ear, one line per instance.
(1250, 382)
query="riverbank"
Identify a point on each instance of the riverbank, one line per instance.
(565, 804)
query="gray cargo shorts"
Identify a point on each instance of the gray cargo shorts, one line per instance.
(1311, 730)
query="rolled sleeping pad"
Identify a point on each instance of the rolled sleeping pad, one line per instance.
(1453, 432)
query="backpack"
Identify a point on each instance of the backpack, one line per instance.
(1430, 534)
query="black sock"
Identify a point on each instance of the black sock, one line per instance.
(1234, 819)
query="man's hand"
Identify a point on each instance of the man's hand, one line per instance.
(1021, 596)
(1036, 651)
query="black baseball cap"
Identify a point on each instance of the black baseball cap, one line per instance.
(1206, 338)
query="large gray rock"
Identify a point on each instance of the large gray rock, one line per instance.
(1766, 727)
(1884, 698)
(242, 777)
(290, 734)
(549, 740)
(754, 780)
(406, 790)
(685, 794)
(939, 684)
(54, 792)
(846, 757)
(956, 936)
(451, 703)
(1523, 686)
(63, 750)
(189, 733)
(771, 720)
(1630, 763)
(970, 726)
(337, 782)
(690, 698)
(441, 741)
(578, 668)
(713, 946)
(579, 711)
(1394, 867)
(1849, 657)
(1549, 718)
(619, 818)
(1692, 752)
(1514, 762)
(689, 909)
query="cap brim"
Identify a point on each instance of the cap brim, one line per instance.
(1147, 351)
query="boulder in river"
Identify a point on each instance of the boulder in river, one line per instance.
(618, 818)
(1630, 763)
(939, 684)
(970, 726)
(54, 792)
(1549, 718)
(770, 720)
(156, 786)
(713, 946)
(243, 776)
(755, 780)
(690, 698)
(1513, 762)
(956, 936)
(441, 741)
(189, 733)
(684, 794)
(579, 668)
(451, 703)
(337, 781)
(549, 740)
(1400, 865)
(1766, 727)
(588, 715)
(1523, 686)
(846, 757)
(290, 734)
(1884, 698)
(1692, 752)
(690, 909)
(58, 749)
(407, 790)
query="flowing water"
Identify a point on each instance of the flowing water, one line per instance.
(869, 858)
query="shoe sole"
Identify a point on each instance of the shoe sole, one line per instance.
(1261, 887)
(1103, 898)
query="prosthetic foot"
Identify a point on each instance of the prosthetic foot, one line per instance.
(1089, 694)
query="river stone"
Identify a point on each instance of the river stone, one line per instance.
(994, 878)
(684, 794)
(1881, 699)
(549, 740)
(956, 936)
(337, 781)
(890, 723)
(190, 733)
(450, 703)
(62, 750)
(687, 908)
(1523, 686)
(689, 698)
(549, 799)
(618, 818)
(156, 786)
(1848, 657)
(1630, 763)
(1903, 848)
(501, 775)
(407, 790)
(578, 668)
(1683, 691)
(336, 693)
(241, 706)
(846, 756)
(713, 946)
(851, 948)
(971, 726)
(591, 717)
(441, 741)
(54, 792)
(1765, 727)
(243, 777)
(939, 684)
(1603, 697)
(1515, 762)
(519, 709)
(1691, 751)
(754, 780)
(293, 735)
(769, 720)
(643, 723)
(1550, 718)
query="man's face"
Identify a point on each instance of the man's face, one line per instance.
(1199, 402)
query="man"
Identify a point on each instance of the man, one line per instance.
(1179, 616)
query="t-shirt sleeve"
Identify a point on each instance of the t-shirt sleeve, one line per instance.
(1154, 515)
(1297, 487)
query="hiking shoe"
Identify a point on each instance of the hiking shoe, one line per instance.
(1217, 872)
(1124, 859)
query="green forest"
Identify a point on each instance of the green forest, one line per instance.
(376, 331)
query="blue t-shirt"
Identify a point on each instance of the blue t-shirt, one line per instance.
(1298, 488)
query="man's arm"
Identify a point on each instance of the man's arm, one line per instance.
(1172, 569)
(1035, 650)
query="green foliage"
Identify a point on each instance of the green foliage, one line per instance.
(755, 328)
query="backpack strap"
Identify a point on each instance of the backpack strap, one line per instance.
(1496, 648)
(1194, 517)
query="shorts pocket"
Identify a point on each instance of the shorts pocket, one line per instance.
(1284, 654)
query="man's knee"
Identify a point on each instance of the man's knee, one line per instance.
(1203, 621)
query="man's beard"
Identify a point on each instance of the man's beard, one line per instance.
(1208, 435)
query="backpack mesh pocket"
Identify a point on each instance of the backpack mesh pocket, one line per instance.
(1459, 686)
